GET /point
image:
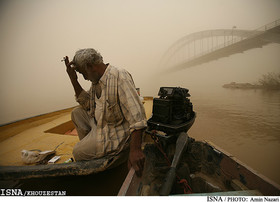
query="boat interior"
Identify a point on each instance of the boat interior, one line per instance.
(204, 170)
(53, 131)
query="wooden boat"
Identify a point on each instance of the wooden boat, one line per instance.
(46, 132)
(207, 169)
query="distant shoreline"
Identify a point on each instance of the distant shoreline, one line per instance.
(234, 85)
(242, 86)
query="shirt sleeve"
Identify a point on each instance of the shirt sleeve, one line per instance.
(131, 105)
(84, 100)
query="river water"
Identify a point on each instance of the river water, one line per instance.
(243, 122)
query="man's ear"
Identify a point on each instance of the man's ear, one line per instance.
(87, 67)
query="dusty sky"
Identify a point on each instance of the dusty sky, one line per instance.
(35, 35)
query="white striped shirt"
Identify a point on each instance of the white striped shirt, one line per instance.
(122, 110)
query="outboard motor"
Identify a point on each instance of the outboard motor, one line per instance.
(172, 111)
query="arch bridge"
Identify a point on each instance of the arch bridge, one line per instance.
(205, 46)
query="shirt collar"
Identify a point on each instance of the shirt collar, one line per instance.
(103, 79)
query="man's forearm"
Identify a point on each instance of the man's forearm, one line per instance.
(73, 76)
(136, 155)
(136, 140)
(77, 87)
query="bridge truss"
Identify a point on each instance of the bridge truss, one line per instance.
(205, 46)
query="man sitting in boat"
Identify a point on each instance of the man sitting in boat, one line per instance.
(111, 117)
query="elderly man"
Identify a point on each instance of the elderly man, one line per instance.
(111, 116)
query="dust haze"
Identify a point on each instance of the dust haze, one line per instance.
(35, 35)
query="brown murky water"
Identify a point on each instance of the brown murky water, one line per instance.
(244, 122)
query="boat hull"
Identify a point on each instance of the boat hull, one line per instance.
(63, 169)
(207, 168)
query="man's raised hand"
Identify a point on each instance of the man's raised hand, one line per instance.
(70, 69)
